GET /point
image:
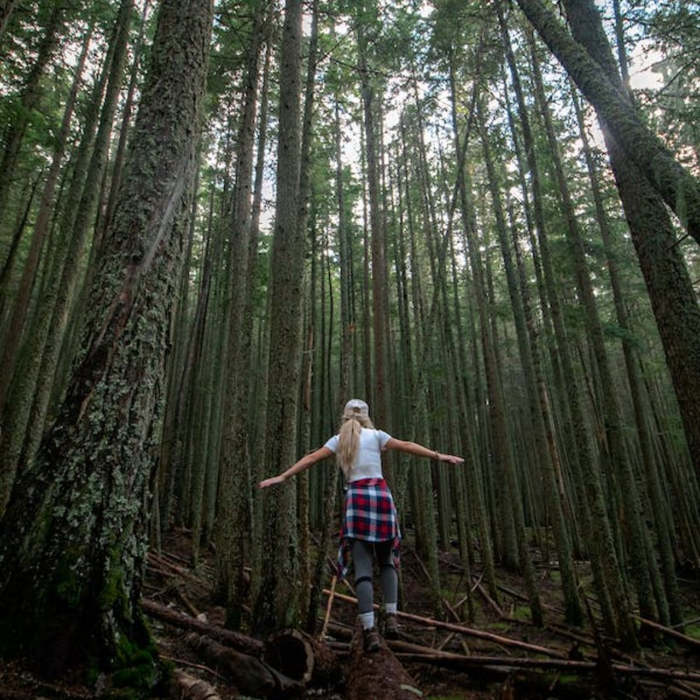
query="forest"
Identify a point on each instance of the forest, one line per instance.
(220, 220)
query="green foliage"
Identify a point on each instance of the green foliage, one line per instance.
(693, 631)
(136, 666)
(500, 626)
(522, 612)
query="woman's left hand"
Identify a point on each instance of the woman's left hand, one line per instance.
(452, 459)
(272, 481)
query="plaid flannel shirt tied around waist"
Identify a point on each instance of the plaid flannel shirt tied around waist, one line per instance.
(369, 515)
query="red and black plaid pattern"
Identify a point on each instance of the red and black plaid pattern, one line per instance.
(369, 515)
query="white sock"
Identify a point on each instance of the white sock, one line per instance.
(390, 608)
(367, 620)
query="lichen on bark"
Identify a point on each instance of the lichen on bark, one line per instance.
(73, 540)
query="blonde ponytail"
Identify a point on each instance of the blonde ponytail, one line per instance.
(348, 444)
(349, 439)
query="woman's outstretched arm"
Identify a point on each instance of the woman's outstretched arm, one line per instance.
(304, 463)
(415, 449)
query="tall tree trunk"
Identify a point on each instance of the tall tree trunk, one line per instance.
(547, 450)
(601, 541)
(664, 522)
(36, 364)
(379, 311)
(679, 189)
(59, 295)
(247, 321)
(673, 298)
(30, 96)
(235, 487)
(614, 451)
(277, 604)
(304, 192)
(79, 516)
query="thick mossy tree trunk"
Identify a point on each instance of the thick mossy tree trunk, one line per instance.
(73, 540)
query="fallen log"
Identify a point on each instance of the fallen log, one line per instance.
(378, 674)
(470, 631)
(489, 599)
(674, 634)
(289, 652)
(191, 664)
(247, 645)
(249, 674)
(450, 660)
(301, 657)
(189, 688)
(177, 571)
(186, 602)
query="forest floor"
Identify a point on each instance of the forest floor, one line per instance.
(441, 660)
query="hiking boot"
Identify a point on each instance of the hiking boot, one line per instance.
(371, 639)
(391, 627)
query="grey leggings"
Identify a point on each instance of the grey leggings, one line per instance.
(362, 563)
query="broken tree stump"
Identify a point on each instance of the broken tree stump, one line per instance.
(378, 674)
(249, 674)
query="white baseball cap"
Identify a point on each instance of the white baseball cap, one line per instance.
(356, 407)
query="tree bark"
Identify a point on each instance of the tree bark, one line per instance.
(379, 311)
(234, 492)
(74, 537)
(679, 189)
(277, 604)
(673, 298)
(377, 675)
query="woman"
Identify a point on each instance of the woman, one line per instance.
(369, 521)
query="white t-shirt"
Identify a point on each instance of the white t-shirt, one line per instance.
(368, 460)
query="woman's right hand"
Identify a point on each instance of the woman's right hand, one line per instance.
(272, 481)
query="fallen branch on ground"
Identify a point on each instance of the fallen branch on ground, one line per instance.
(328, 608)
(186, 601)
(445, 658)
(159, 564)
(506, 641)
(243, 643)
(191, 664)
(690, 641)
